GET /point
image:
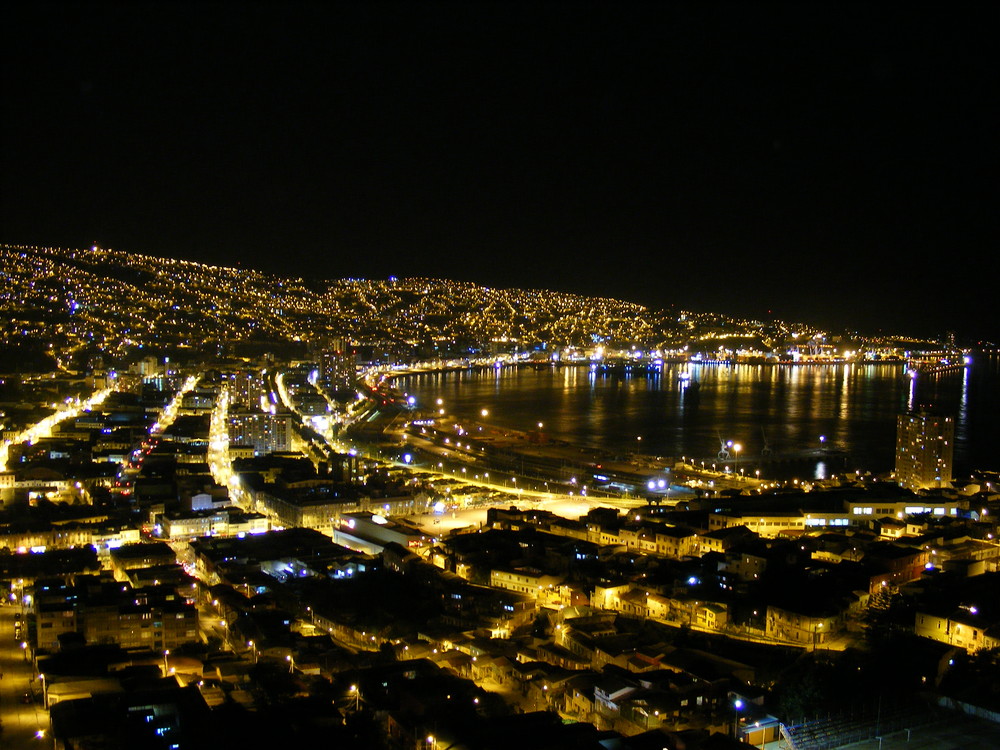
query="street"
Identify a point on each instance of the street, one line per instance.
(20, 722)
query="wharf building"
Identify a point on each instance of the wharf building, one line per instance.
(925, 444)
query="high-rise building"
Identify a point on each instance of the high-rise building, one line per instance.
(335, 358)
(925, 444)
(267, 433)
(245, 387)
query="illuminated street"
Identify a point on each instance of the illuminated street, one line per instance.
(169, 413)
(44, 427)
(547, 376)
(218, 448)
(20, 720)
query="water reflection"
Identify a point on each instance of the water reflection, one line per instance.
(782, 408)
(962, 420)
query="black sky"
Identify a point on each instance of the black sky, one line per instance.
(833, 163)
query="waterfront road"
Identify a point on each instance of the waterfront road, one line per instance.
(21, 711)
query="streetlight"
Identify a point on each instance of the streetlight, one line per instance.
(357, 698)
(737, 705)
(736, 449)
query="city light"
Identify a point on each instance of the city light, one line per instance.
(376, 515)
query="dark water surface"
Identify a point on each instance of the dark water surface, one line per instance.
(851, 407)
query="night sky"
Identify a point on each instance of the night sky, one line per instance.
(834, 163)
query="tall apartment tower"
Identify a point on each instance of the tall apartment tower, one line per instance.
(267, 433)
(336, 363)
(925, 444)
(245, 387)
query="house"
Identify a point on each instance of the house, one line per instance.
(530, 581)
(676, 542)
(815, 628)
(723, 539)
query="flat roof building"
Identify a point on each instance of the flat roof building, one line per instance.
(925, 444)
